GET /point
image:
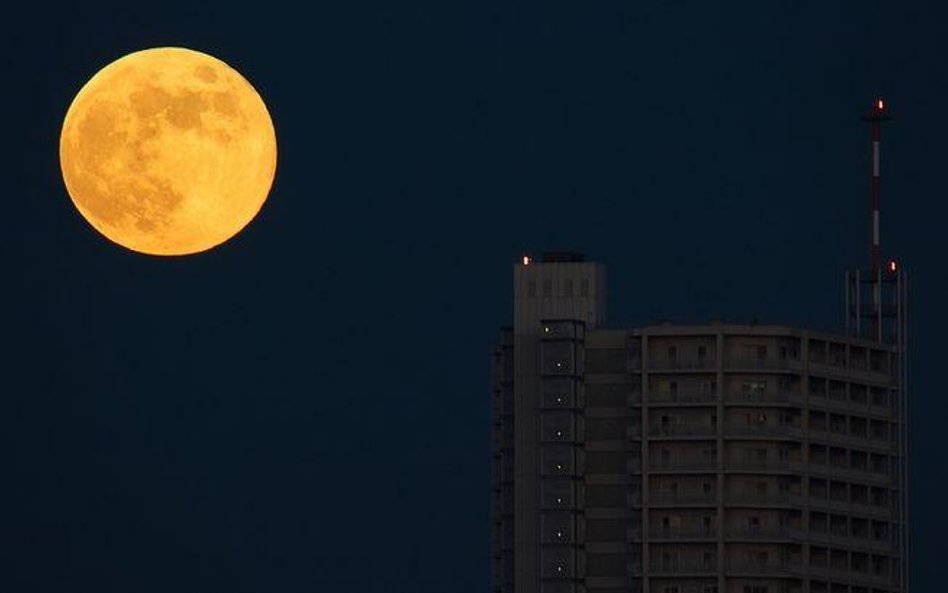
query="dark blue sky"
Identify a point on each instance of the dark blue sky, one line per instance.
(306, 407)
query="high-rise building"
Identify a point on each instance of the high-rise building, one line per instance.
(711, 458)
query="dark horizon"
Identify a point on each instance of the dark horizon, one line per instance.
(306, 407)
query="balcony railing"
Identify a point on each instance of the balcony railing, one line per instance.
(658, 532)
(878, 510)
(761, 363)
(696, 497)
(762, 397)
(761, 567)
(757, 533)
(864, 542)
(697, 396)
(683, 363)
(682, 430)
(762, 430)
(762, 498)
(674, 568)
(857, 473)
(693, 464)
(761, 465)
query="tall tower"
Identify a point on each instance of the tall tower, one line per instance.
(537, 419)
(876, 308)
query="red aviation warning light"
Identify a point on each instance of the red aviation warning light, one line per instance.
(526, 260)
(893, 266)
(880, 105)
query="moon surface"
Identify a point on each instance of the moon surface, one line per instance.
(168, 151)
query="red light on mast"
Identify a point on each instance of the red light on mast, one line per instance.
(880, 105)
(526, 260)
(893, 266)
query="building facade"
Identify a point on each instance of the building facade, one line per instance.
(690, 459)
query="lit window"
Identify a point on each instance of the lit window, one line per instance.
(559, 433)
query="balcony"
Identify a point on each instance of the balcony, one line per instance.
(763, 431)
(677, 568)
(881, 511)
(844, 572)
(684, 464)
(762, 465)
(683, 364)
(682, 430)
(761, 568)
(763, 499)
(696, 396)
(682, 498)
(856, 474)
(841, 437)
(758, 364)
(698, 532)
(759, 533)
(762, 397)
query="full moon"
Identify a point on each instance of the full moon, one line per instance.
(168, 151)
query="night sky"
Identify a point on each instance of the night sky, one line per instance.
(305, 408)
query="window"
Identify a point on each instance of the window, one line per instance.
(753, 524)
(568, 287)
(702, 352)
(584, 287)
(672, 353)
(707, 560)
(762, 352)
(532, 288)
(753, 387)
(547, 287)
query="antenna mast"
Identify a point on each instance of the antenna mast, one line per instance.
(875, 117)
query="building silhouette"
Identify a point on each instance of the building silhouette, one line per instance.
(696, 458)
